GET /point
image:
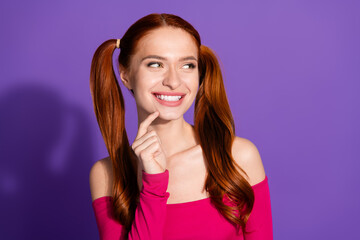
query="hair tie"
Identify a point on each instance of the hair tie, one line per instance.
(118, 43)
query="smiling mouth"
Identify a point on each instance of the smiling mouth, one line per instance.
(168, 98)
(173, 100)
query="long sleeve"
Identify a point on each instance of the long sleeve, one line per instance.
(149, 215)
(259, 225)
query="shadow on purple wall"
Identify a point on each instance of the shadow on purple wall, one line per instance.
(46, 152)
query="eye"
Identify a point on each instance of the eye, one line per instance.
(154, 64)
(188, 66)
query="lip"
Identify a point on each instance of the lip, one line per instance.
(169, 103)
(170, 93)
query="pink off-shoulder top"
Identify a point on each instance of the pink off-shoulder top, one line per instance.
(195, 220)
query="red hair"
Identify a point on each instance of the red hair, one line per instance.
(213, 123)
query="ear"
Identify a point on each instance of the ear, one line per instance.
(124, 75)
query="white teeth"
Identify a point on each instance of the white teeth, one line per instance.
(168, 98)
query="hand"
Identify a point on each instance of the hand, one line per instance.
(147, 147)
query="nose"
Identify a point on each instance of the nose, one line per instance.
(172, 78)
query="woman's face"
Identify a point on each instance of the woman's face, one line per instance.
(165, 63)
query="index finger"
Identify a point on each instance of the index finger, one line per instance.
(146, 123)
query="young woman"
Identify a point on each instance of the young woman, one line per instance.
(175, 181)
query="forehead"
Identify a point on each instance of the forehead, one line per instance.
(167, 42)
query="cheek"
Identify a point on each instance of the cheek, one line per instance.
(142, 81)
(193, 82)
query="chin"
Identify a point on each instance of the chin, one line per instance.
(169, 115)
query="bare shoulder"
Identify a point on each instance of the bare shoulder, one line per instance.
(100, 178)
(247, 156)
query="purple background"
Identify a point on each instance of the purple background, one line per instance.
(292, 76)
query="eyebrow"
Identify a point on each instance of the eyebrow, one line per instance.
(162, 58)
